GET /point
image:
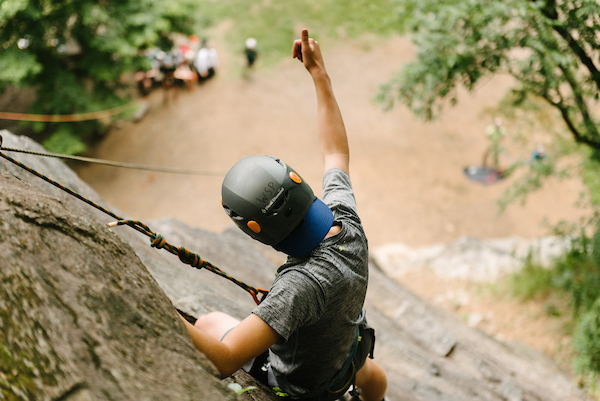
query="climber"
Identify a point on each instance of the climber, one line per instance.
(308, 339)
(496, 133)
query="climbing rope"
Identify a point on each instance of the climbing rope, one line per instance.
(62, 118)
(110, 162)
(156, 240)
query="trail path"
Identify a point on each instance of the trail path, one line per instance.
(407, 174)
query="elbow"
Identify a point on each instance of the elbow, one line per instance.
(225, 375)
(337, 160)
(227, 363)
(226, 370)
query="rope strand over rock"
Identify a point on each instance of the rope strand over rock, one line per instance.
(113, 163)
(156, 240)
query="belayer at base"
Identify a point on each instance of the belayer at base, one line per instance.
(308, 339)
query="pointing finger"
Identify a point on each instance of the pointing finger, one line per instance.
(305, 36)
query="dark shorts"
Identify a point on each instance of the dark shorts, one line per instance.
(259, 368)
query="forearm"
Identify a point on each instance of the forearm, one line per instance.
(216, 351)
(332, 132)
(247, 340)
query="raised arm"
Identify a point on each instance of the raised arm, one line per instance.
(332, 132)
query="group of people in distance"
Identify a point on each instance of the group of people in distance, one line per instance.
(190, 62)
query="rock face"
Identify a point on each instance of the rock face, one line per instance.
(81, 317)
(88, 313)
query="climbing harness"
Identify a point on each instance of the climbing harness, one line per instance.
(110, 162)
(343, 381)
(156, 240)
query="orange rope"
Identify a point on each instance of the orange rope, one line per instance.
(62, 118)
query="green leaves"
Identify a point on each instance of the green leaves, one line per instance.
(76, 51)
(8, 8)
(17, 65)
(548, 47)
(238, 389)
(457, 44)
(586, 341)
(64, 141)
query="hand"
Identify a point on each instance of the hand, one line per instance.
(308, 52)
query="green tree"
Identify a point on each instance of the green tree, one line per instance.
(74, 52)
(549, 46)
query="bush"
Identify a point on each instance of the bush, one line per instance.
(578, 272)
(586, 341)
(532, 280)
(577, 275)
(64, 141)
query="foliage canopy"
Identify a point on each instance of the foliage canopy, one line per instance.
(74, 52)
(549, 46)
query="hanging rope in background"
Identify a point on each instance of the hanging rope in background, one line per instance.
(67, 118)
(111, 163)
(87, 117)
(156, 240)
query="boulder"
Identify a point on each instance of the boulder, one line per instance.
(469, 258)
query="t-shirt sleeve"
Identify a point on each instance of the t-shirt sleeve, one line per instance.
(338, 194)
(295, 300)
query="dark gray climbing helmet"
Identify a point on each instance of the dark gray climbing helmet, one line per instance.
(270, 202)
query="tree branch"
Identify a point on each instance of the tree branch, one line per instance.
(564, 111)
(550, 12)
(580, 102)
(578, 137)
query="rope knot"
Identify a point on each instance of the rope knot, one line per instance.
(189, 258)
(255, 291)
(157, 241)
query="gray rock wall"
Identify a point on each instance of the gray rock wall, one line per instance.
(81, 317)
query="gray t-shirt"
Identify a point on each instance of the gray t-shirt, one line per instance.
(315, 302)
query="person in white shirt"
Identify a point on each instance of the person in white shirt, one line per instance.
(207, 61)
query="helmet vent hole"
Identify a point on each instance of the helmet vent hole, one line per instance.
(232, 214)
(288, 212)
(278, 203)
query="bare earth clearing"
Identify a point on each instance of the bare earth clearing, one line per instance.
(407, 174)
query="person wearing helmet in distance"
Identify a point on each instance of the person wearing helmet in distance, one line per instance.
(308, 339)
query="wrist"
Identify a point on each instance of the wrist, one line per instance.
(319, 74)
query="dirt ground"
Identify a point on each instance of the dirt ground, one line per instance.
(407, 174)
